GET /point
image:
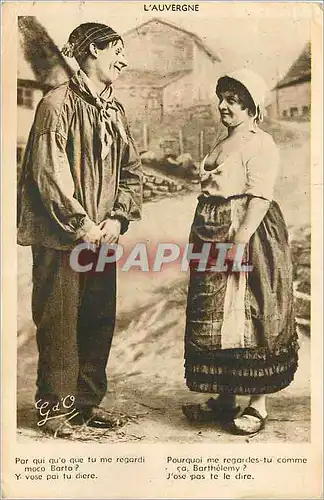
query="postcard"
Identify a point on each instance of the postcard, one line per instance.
(162, 202)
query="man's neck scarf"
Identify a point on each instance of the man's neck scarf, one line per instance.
(110, 121)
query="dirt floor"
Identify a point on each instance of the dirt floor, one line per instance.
(145, 369)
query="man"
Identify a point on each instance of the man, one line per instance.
(81, 182)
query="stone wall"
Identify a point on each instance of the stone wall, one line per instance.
(301, 256)
(142, 103)
(158, 47)
(294, 100)
(157, 186)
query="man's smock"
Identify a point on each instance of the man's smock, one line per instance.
(67, 184)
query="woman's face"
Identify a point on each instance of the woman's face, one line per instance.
(231, 110)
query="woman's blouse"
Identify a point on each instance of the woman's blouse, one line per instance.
(251, 170)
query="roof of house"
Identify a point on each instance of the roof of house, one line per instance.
(300, 70)
(38, 57)
(24, 70)
(139, 78)
(195, 37)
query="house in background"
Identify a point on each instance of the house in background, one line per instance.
(41, 67)
(169, 69)
(292, 95)
(170, 80)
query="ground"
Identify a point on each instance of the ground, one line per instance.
(145, 370)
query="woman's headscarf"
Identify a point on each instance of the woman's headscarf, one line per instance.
(256, 87)
(84, 35)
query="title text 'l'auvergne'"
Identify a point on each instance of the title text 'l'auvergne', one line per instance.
(172, 7)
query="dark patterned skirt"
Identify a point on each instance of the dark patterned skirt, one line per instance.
(262, 358)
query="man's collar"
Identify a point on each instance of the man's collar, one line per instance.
(106, 94)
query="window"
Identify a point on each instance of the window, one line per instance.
(305, 110)
(20, 154)
(152, 103)
(25, 97)
(284, 113)
(132, 92)
(293, 112)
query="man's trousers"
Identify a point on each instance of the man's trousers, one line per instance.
(75, 317)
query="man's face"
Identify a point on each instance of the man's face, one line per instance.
(110, 62)
(231, 110)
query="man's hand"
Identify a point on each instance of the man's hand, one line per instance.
(93, 236)
(110, 230)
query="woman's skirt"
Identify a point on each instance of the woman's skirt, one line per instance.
(240, 331)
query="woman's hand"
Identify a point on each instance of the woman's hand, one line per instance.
(231, 254)
(241, 238)
(237, 253)
(110, 229)
(237, 239)
(255, 212)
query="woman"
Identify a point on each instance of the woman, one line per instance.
(240, 333)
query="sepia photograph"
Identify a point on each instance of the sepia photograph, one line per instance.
(163, 232)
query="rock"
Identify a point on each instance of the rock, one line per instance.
(169, 160)
(158, 180)
(303, 307)
(149, 185)
(173, 188)
(303, 276)
(147, 193)
(301, 257)
(148, 157)
(162, 188)
(157, 192)
(304, 257)
(185, 160)
(195, 169)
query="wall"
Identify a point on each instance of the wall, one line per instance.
(142, 103)
(158, 47)
(295, 96)
(197, 87)
(178, 94)
(206, 73)
(25, 117)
